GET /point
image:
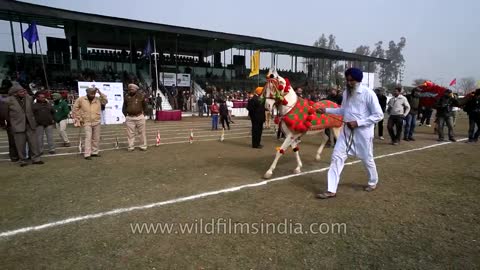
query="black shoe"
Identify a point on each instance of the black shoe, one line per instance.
(411, 139)
(51, 152)
(95, 155)
(14, 159)
(453, 140)
(38, 162)
(23, 164)
(406, 139)
(88, 158)
(440, 140)
(258, 147)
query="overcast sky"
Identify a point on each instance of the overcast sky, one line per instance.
(442, 35)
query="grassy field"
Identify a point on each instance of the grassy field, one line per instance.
(424, 214)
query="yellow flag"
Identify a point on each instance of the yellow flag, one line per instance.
(255, 64)
(478, 83)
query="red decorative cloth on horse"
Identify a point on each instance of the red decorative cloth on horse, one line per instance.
(303, 117)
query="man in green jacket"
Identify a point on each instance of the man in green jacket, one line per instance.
(61, 115)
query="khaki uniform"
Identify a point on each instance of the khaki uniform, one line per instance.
(88, 115)
(134, 109)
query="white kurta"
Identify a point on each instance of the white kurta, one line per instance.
(363, 107)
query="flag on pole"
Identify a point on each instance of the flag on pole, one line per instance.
(453, 82)
(158, 139)
(190, 139)
(255, 64)
(31, 34)
(478, 83)
(222, 135)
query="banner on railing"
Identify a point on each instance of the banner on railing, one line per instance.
(180, 80)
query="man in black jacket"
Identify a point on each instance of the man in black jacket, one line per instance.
(382, 99)
(411, 119)
(44, 113)
(256, 112)
(473, 110)
(335, 96)
(208, 101)
(445, 116)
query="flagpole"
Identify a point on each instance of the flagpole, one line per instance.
(14, 47)
(156, 66)
(43, 64)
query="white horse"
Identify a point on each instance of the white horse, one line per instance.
(278, 92)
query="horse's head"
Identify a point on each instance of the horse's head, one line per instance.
(275, 90)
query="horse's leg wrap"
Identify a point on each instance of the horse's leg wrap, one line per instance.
(296, 149)
(279, 153)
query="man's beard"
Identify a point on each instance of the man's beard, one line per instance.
(90, 98)
(350, 88)
(132, 94)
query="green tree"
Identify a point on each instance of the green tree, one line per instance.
(324, 70)
(365, 66)
(378, 52)
(390, 73)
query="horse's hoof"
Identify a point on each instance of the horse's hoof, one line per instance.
(267, 175)
(318, 158)
(297, 171)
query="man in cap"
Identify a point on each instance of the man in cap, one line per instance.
(22, 122)
(361, 111)
(256, 112)
(134, 108)
(61, 117)
(86, 111)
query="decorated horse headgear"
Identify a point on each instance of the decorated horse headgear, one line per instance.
(280, 87)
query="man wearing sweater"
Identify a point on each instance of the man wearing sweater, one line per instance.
(398, 109)
(61, 115)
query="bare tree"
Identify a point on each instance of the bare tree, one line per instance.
(419, 81)
(466, 85)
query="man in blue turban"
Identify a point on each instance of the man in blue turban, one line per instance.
(355, 74)
(361, 111)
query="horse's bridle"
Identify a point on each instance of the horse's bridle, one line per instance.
(275, 84)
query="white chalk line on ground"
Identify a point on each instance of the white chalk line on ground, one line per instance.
(193, 197)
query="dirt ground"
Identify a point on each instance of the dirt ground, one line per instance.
(424, 214)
